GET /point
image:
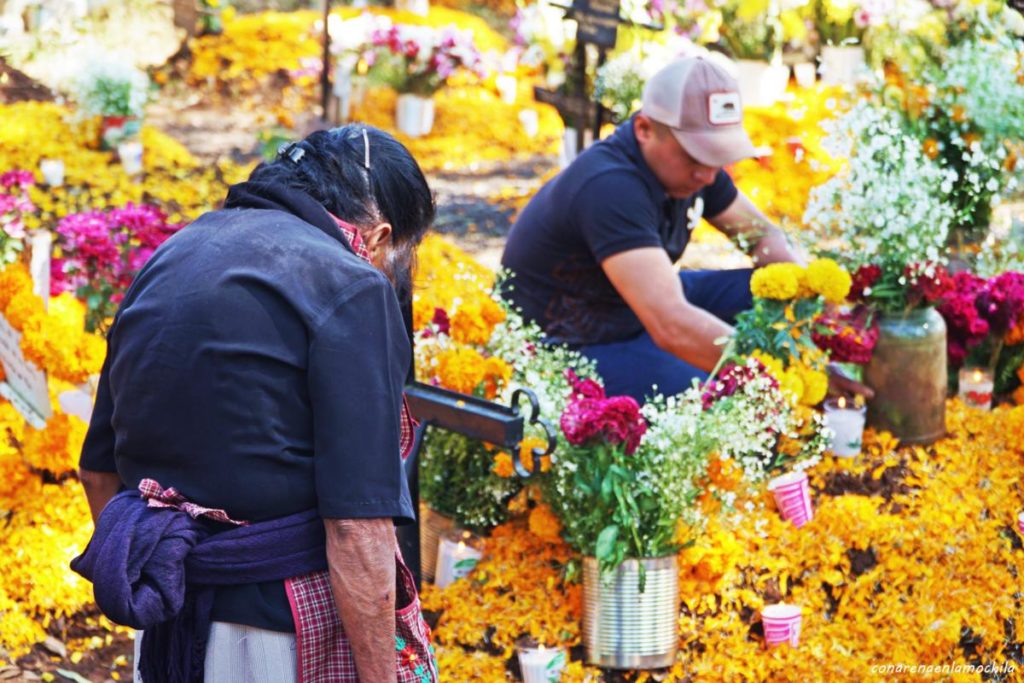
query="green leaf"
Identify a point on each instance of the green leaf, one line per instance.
(606, 542)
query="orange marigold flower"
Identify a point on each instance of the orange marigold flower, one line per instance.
(526, 447)
(930, 148)
(544, 524)
(24, 309)
(959, 113)
(461, 369)
(497, 373)
(503, 466)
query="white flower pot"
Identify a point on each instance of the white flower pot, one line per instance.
(841, 65)
(761, 84)
(420, 7)
(414, 115)
(806, 74)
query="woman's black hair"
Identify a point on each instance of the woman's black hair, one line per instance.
(363, 176)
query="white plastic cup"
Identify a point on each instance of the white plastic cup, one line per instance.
(793, 497)
(781, 624)
(806, 74)
(541, 664)
(53, 171)
(130, 153)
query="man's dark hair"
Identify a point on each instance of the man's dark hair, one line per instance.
(363, 176)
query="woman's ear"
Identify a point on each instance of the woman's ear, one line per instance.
(378, 236)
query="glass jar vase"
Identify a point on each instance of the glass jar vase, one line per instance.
(908, 375)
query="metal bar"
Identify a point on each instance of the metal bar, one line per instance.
(325, 74)
(469, 415)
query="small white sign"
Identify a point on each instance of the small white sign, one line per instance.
(24, 380)
(724, 108)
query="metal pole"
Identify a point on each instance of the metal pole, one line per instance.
(325, 75)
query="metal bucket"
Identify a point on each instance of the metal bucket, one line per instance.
(624, 628)
(432, 525)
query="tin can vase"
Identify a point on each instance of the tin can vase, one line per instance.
(624, 628)
(432, 525)
(908, 374)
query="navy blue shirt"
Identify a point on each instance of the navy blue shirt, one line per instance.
(606, 202)
(257, 365)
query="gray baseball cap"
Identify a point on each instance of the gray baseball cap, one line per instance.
(701, 103)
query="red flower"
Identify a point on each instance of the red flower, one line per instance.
(930, 288)
(863, 278)
(846, 336)
(441, 321)
(590, 416)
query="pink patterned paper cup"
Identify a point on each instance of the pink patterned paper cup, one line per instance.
(781, 624)
(1020, 523)
(793, 497)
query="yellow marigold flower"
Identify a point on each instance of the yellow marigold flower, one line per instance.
(776, 281)
(827, 278)
(503, 466)
(815, 384)
(773, 364)
(544, 524)
(461, 369)
(791, 383)
(55, 448)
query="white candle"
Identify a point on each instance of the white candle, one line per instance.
(540, 664)
(39, 264)
(53, 171)
(806, 74)
(506, 88)
(131, 157)
(976, 388)
(457, 555)
(530, 122)
(847, 425)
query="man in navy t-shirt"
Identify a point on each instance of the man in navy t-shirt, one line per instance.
(592, 253)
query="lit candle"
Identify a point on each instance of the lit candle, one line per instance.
(507, 88)
(457, 555)
(976, 387)
(847, 425)
(53, 171)
(540, 664)
(130, 154)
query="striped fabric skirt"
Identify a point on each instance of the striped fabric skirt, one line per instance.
(243, 654)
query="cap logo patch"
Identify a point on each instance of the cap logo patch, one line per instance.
(724, 108)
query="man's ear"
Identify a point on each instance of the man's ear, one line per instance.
(643, 128)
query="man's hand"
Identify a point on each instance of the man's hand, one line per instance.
(361, 561)
(839, 384)
(650, 285)
(763, 240)
(99, 487)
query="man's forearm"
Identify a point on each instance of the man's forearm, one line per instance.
(773, 247)
(99, 487)
(693, 337)
(361, 559)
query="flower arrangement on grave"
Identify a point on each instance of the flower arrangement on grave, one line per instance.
(886, 211)
(985, 322)
(115, 91)
(100, 252)
(966, 109)
(778, 330)
(420, 60)
(14, 205)
(844, 22)
(482, 348)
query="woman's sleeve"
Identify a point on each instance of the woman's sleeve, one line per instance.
(358, 359)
